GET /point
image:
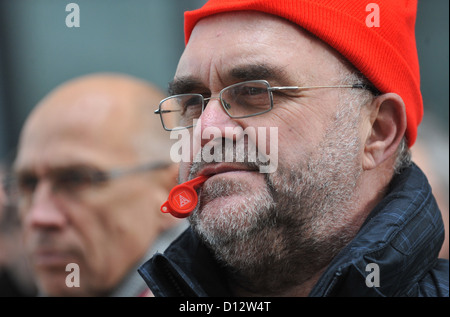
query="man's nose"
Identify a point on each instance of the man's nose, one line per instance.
(215, 123)
(44, 207)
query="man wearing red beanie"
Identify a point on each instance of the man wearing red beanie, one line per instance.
(346, 212)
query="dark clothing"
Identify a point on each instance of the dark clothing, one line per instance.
(402, 236)
(9, 287)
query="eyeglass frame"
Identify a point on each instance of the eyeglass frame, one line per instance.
(270, 89)
(98, 176)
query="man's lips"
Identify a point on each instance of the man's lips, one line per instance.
(48, 258)
(221, 168)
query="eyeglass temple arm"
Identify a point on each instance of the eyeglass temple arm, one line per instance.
(159, 111)
(137, 169)
(356, 86)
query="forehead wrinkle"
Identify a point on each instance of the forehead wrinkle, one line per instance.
(257, 71)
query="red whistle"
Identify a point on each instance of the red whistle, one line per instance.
(183, 198)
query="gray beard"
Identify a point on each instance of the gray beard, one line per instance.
(279, 236)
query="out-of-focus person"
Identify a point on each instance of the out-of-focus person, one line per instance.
(431, 154)
(16, 278)
(91, 172)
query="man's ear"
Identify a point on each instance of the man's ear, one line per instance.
(387, 128)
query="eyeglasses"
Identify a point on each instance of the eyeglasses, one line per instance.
(241, 100)
(69, 180)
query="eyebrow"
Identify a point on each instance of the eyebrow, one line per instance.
(184, 85)
(259, 71)
(271, 73)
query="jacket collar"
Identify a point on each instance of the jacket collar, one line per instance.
(187, 268)
(401, 239)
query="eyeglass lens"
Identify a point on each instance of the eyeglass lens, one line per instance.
(238, 100)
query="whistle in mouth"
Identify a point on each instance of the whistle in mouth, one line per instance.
(183, 198)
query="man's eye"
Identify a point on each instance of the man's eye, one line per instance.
(74, 179)
(250, 91)
(191, 102)
(27, 183)
(248, 96)
(191, 106)
(256, 91)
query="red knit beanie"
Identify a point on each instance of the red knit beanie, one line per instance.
(385, 53)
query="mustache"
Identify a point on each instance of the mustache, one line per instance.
(246, 156)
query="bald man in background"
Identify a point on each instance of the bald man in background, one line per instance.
(92, 170)
(16, 278)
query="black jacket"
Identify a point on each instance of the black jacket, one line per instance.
(402, 236)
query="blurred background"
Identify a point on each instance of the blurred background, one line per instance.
(38, 51)
(145, 38)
